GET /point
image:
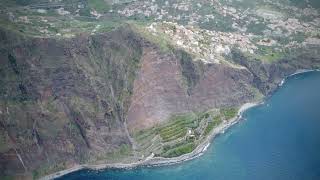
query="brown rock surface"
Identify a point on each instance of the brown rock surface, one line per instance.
(160, 89)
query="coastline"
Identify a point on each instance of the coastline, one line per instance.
(160, 161)
(203, 146)
(299, 71)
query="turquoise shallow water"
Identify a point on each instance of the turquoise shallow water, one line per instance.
(279, 140)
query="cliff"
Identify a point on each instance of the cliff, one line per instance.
(67, 101)
(64, 101)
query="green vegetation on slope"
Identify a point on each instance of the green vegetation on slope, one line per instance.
(178, 127)
(269, 54)
(216, 121)
(179, 150)
(99, 5)
(163, 41)
(229, 113)
(182, 133)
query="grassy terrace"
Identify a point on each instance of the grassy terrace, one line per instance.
(162, 40)
(182, 133)
(216, 121)
(99, 5)
(180, 149)
(178, 128)
(228, 113)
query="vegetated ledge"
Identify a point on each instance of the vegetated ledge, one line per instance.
(159, 161)
(181, 134)
(151, 160)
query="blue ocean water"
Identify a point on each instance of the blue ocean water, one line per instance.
(279, 140)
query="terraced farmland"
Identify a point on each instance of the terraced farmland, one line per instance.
(182, 133)
(178, 128)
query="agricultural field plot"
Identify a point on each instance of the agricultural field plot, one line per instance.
(182, 133)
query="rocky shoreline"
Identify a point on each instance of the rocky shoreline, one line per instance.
(299, 71)
(160, 161)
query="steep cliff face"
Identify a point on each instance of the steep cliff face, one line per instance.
(67, 101)
(174, 84)
(267, 76)
(64, 101)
